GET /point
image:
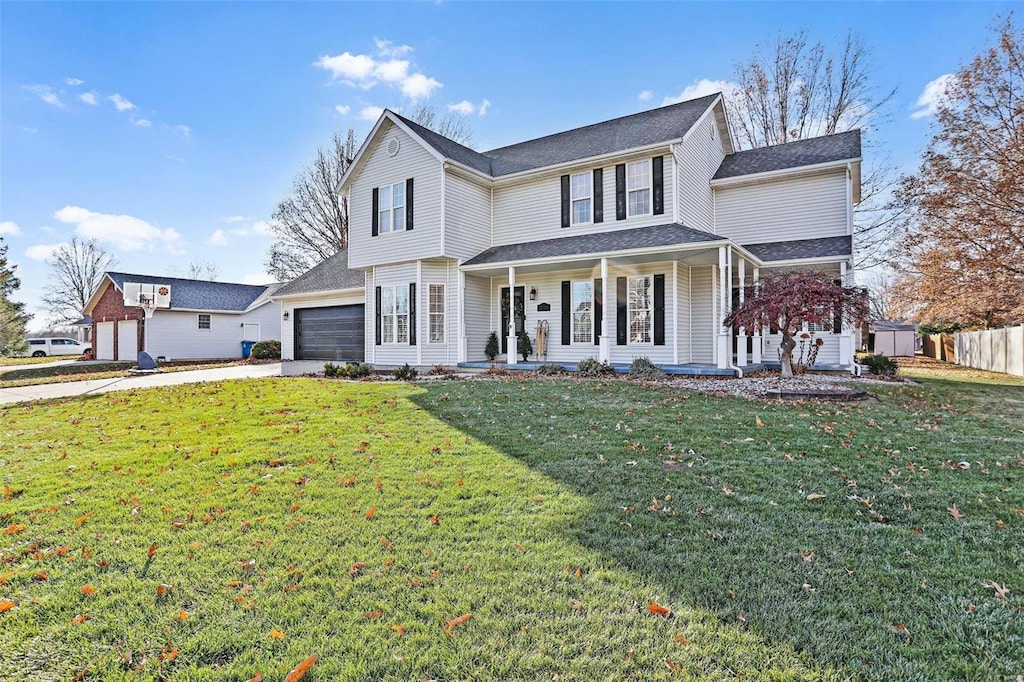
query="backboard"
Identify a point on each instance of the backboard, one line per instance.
(137, 294)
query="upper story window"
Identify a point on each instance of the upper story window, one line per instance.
(391, 208)
(638, 188)
(204, 321)
(581, 195)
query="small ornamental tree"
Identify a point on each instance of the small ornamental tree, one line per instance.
(788, 300)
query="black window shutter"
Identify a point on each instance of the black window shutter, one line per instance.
(566, 312)
(658, 176)
(598, 309)
(620, 192)
(659, 310)
(621, 332)
(837, 314)
(376, 223)
(565, 201)
(412, 313)
(408, 204)
(376, 308)
(598, 195)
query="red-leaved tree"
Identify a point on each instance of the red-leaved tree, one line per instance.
(788, 300)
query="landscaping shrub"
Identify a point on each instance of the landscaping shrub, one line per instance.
(405, 373)
(551, 368)
(331, 370)
(356, 370)
(440, 371)
(493, 347)
(643, 368)
(590, 367)
(880, 365)
(267, 350)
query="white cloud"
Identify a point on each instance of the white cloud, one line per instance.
(74, 81)
(235, 219)
(700, 88)
(366, 71)
(343, 109)
(125, 232)
(183, 129)
(142, 122)
(121, 103)
(46, 93)
(645, 95)
(9, 227)
(89, 98)
(263, 227)
(933, 95)
(371, 113)
(465, 107)
(218, 238)
(43, 251)
(27, 129)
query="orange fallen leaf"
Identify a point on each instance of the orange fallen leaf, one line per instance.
(398, 629)
(80, 676)
(81, 618)
(258, 677)
(169, 655)
(435, 519)
(370, 513)
(83, 518)
(519, 547)
(299, 671)
(347, 481)
(276, 634)
(294, 508)
(456, 622)
(373, 615)
(659, 610)
(356, 567)
(674, 667)
(87, 590)
(14, 529)
(40, 577)
(759, 422)
(6, 605)
(386, 543)
(276, 463)
(679, 639)
(955, 513)
(151, 551)
(182, 614)
(163, 588)
(900, 628)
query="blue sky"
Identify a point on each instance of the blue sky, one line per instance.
(170, 130)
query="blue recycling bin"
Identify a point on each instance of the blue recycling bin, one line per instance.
(247, 348)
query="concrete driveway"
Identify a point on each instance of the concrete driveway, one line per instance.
(78, 388)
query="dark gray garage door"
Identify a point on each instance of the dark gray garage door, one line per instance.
(334, 333)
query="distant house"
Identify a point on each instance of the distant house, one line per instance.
(203, 319)
(627, 238)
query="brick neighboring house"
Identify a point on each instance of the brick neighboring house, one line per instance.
(205, 320)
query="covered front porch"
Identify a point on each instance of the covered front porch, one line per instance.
(695, 369)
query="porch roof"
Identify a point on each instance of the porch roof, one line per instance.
(801, 249)
(655, 237)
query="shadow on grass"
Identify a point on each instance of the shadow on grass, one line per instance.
(693, 497)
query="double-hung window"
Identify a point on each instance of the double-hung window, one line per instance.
(640, 309)
(638, 188)
(582, 315)
(394, 313)
(436, 312)
(204, 321)
(581, 195)
(391, 208)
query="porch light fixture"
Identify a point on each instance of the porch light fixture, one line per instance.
(533, 293)
(285, 316)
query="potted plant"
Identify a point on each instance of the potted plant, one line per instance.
(524, 346)
(493, 347)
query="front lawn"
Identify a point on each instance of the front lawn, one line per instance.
(87, 371)
(592, 530)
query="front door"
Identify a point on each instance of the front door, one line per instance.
(520, 315)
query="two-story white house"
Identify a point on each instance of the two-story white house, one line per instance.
(627, 238)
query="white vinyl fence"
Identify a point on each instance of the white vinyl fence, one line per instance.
(997, 350)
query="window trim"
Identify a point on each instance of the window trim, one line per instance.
(573, 312)
(391, 210)
(630, 309)
(431, 314)
(649, 188)
(588, 197)
(209, 322)
(393, 315)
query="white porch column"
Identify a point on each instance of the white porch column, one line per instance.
(741, 333)
(513, 346)
(846, 337)
(758, 342)
(463, 351)
(604, 349)
(722, 336)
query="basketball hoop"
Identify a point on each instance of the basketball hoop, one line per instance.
(148, 305)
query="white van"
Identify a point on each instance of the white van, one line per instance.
(38, 348)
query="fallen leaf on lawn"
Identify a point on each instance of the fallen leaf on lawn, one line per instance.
(917, 531)
(659, 610)
(299, 671)
(151, 551)
(276, 634)
(456, 622)
(87, 590)
(275, 463)
(806, 555)
(435, 519)
(81, 618)
(294, 508)
(182, 614)
(356, 567)
(759, 422)
(729, 492)
(955, 513)
(899, 627)
(370, 513)
(741, 617)
(674, 667)
(519, 547)
(1002, 591)
(814, 496)
(7, 605)
(258, 677)
(397, 629)
(80, 676)
(83, 518)
(163, 588)
(14, 529)
(373, 615)
(169, 655)
(40, 577)
(683, 641)
(807, 588)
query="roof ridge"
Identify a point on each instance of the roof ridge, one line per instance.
(803, 139)
(185, 279)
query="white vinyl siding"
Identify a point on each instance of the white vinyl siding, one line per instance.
(531, 211)
(477, 304)
(684, 313)
(173, 334)
(581, 198)
(436, 313)
(697, 159)
(393, 353)
(467, 217)
(379, 169)
(784, 210)
(703, 302)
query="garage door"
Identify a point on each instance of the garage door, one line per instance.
(334, 333)
(104, 341)
(127, 340)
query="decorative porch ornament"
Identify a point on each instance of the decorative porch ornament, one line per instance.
(524, 346)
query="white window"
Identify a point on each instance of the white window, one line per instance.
(391, 208)
(394, 314)
(436, 311)
(582, 318)
(638, 188)
(581, 195)
(204, 321)
(639, 306)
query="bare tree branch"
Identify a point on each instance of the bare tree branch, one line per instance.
(75, 271)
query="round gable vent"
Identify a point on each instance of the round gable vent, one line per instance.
(393, 146)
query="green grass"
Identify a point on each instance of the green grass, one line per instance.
(34, 376)
(654, 494)
(17, 362)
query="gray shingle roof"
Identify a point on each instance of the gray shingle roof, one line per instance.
(821, 247)
(192, 294)
(619, 134)
(331, 275)
(892, 326)
(807, 152)
(604, 242)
